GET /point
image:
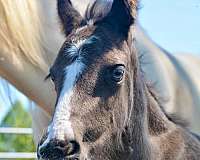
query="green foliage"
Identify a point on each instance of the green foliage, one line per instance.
(17, 117)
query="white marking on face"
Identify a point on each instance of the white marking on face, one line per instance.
(73, 50)
(61, 127)
(79, 43)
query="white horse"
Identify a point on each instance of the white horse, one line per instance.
(30, 38)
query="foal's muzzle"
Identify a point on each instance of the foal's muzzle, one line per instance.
(58, 150)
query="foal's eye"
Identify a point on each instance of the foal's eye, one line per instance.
(118, 73)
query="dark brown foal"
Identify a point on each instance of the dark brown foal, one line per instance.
(105, 110)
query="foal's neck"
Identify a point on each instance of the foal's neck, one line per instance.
(148, 120)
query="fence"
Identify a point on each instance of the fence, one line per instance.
(14, 155)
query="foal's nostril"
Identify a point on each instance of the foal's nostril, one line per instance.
(58, 149)
(72, 148)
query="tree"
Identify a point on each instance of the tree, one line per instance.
(17, 117)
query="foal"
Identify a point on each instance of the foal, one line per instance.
(105, 110)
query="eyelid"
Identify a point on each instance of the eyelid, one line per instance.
(119, 65)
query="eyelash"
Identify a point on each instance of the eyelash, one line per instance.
(50, 76)
(47, 77)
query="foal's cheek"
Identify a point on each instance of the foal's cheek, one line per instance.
(103, 152)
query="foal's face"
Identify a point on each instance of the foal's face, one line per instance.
(92, 76)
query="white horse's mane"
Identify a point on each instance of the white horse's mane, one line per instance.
(20, 24)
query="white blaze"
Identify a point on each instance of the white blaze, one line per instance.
(61, 127)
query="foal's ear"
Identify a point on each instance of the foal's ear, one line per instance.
(70, 18)
(119, 13)
(122, 14)
(101, 9)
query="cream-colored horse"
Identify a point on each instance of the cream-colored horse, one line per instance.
(30, 37)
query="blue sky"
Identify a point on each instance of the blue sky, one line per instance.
(173, 24)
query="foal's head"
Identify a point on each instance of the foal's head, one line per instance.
(93, 76)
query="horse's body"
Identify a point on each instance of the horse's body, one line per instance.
(176, 79)
(30, 42)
